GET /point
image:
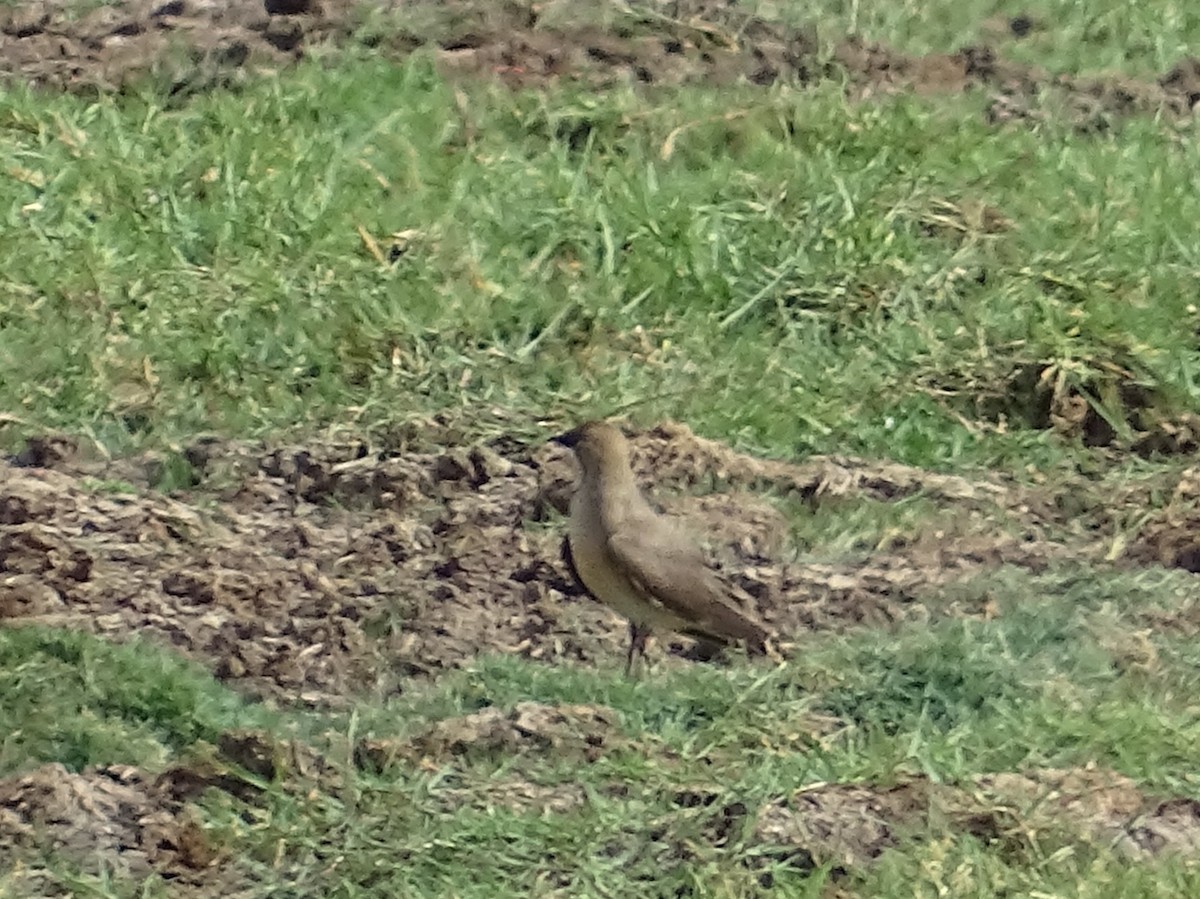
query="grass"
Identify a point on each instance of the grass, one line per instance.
(1066, 37)
(782, 269)
(1028, 689)
(780, 280)
(134, 703)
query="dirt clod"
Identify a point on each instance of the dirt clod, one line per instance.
(113, 816)
(1172, 536)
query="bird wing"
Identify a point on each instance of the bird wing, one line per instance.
(569, 560)
(671, 572)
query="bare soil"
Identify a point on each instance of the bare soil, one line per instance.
(115, 818)
(198, 45)
(851, 825)
(319, 574)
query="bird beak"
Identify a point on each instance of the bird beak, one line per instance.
(570, 439)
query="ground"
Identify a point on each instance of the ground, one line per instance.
(988, 676)
(197, 46)
(280, 569)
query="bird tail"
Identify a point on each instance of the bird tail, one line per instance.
(735, 629)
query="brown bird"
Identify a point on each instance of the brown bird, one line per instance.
(635, 561)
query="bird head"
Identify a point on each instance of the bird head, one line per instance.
(598, 445)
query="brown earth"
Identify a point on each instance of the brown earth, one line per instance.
(575, 731)
(197, 45)
(851, 825)
(114, 818)
(323, 573)
(318, 574)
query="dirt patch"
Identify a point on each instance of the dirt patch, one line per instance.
(852, 825)
(672, 453)
(1172, 535)
(196, 45)
(516, 795)
(580, 731)
(1173, 540)
(113, 816)
(117, 820)
(1106, 807)
(1108, 406)
(320, 573)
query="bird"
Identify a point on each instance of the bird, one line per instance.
(642, 565)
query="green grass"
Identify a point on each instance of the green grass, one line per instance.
(798, 274)
(997, 687)
(71, 698)
(200, 269)
(1103, 37)
(1031, 688)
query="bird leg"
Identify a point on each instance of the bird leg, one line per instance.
(637, 645)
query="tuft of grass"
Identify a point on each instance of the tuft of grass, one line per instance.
(72, 698)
